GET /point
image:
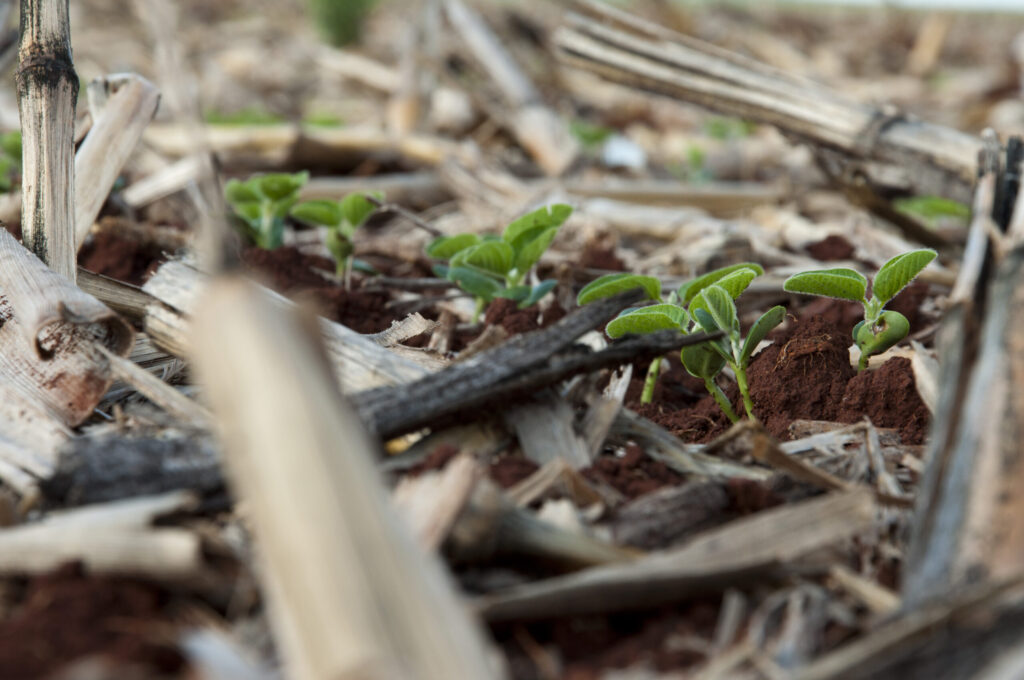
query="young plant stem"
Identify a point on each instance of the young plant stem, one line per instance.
(647, 396)
(721, 399)
(862, 363)
(741, 381)
(480, 304)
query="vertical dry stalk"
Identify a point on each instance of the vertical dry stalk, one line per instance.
(352, 594)
(47, 91)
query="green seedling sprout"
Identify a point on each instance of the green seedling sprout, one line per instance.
(703, 304)
(262, 203)
(342, 219)
(881, 328)
(489, 267)
(10, 159)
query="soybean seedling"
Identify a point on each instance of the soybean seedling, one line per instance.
(881, 328)
(689, 310)
(261, 204)
(342, 219)
(489, 267)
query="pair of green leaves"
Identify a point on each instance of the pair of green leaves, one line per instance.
(880, 329)
(342, 219)
(491, 266)
(262, 203)
(706, 304)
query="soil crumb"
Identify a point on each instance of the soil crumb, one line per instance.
(67, 615)
(120, 256)
(634, 474)
(832, 247)
(888, 396)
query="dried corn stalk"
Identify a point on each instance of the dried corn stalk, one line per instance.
(47, 91)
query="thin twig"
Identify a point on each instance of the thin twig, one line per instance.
(403, 212)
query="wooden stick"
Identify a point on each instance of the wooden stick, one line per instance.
(115, 133)
(622, 48)
(352, 595)
(47, 91)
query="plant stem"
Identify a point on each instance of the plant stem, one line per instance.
(862, 363)
(480, 304)
(741, 380)
(647, 396)
(721, 399)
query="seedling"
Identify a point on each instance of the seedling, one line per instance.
(341, 218)
(706, 304)
(881, 328)
(489, 267)
(261, 204)
(10, 159)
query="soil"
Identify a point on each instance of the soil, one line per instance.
(589, 646)
(67, 615)
(506, 471)
(805, 374)
(833, 247)
(598, 255)
(634, 474)
(121, 256)
(293, 273)
(506, 313)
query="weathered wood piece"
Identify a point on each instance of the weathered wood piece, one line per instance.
(47, 91)
(352, 595)
(931, 159)
(540, 131)
(757, 545)
(128, 104)
(109, 538)
(107, 467)
(513, 370)
(968, 522)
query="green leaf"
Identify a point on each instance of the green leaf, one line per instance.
(843, 284)
(898, 272)
(323, 212)
(444, 247)
(613, 284)
(356, 208)
(491, 256)
(736, 282)
(688, 291)
(237, 191)
(932, 207)
(10, 142)
(719, 304)
(250, 212)
(759, 331)
(531, 225)
(531, 251)
(364, 266)
(279, 186)
(706, 322)
(702, 360)
(517, 293)
(440, 271)
(643, 320)
(341, 248)
(537, 292)
(475, 283)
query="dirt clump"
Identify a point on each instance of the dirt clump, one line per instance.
(802, 376)
(888, 396)
(124, 257)
(598, 255)
(634, 474)
(67, 615)
(507, 471)
(506, 313)
(294, 273)
(832, 247)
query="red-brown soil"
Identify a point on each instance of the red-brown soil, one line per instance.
(66, 616)
(806, 374)
(121, 256)
(589, 646)
(506, 313)
(634, 474)
(832, 247)
(293, 273)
